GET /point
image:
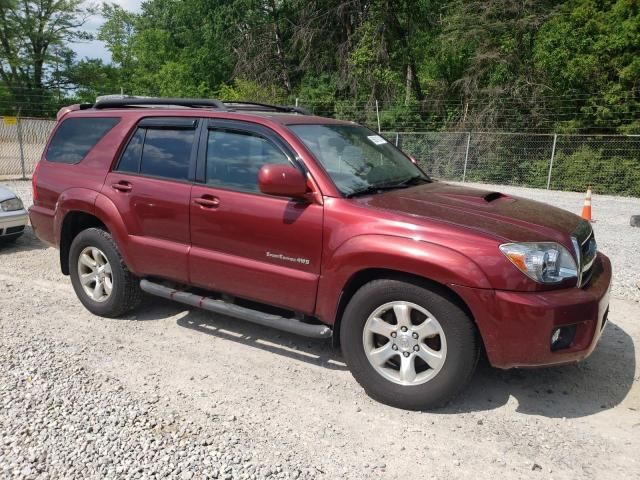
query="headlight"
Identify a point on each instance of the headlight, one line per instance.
(544, 262)
(11, 205)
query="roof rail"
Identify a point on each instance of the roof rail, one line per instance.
(115, 101)
(264, 107)
(124, 101)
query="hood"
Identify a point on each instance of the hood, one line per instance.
(509, 218)
(6, 194)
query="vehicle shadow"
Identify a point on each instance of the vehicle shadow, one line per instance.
(25, 243)
(598, 383)
(313, 351)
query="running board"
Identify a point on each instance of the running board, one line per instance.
(290, 325)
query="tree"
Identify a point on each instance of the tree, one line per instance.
(592, 53)
(34, 35)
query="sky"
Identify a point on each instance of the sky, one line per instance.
(96, 49)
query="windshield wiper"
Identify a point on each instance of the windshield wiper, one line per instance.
(408, 182)
(415, 180)
(372, 189)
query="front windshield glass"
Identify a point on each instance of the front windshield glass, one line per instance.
(357, 159)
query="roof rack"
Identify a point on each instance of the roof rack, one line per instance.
(125, 101)
(263, 107)
(117, 101)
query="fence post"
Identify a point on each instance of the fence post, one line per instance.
(397, 139)
(466, 157)
(19, 130)
(378, 116)
(553, 155)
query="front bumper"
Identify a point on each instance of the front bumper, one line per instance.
(13, 223)
(516, 327)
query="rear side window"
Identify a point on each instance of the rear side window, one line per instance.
(160, 149)
(75, 137)
(130, 161)
(167, 153)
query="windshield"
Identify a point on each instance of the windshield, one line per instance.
(357, 159)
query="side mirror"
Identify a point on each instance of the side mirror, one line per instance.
(282, 181)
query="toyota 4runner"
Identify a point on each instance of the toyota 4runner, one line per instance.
(318, 227)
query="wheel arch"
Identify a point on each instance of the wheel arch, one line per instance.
(367, 275)
(74, 222)
(74, 216)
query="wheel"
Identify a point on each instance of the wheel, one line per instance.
(408, 346)
(99, 275)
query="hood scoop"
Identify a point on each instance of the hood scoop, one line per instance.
(479, 198)
(491, 196)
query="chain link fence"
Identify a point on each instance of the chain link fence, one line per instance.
(609, 163)
(21, 143)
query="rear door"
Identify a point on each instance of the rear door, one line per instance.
(151, 187)
(245, 243)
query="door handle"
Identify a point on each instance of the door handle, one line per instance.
(122, 186)
(207, 201)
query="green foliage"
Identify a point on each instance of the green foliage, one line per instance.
(588, 166)
(242, 89)
(34, 38)
(593, 47)
(516, 65)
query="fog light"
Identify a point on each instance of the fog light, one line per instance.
(562, 337)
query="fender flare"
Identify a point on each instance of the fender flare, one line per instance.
(72, 200)
(97, 205)
(427, 260)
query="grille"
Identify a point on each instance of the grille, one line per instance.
(584, 243)
(11, 230)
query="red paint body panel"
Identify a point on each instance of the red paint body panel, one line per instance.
(156, 215)
(516, 327)
(300, 254)
(259, 247)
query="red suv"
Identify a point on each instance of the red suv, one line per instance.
(318, 227)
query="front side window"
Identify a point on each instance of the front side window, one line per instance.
(75, 137)
(357, 159)
(234, 158)
(159, 152)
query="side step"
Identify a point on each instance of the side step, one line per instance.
(290, 325)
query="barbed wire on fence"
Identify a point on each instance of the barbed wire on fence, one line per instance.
(609, 163)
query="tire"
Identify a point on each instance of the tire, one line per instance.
(456, 344)
(125, 294)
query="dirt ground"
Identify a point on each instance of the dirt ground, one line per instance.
(292, 401)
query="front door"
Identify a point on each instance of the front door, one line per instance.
(245, 243)
(151, 188)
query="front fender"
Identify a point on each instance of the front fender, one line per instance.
(428, 260)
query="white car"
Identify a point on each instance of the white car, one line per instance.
(13, 216)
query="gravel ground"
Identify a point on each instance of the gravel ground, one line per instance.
(174, 392)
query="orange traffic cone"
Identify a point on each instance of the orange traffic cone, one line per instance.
(586, 209)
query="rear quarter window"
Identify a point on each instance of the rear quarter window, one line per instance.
(75, 137)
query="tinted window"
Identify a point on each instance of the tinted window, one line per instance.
(167, 153)
(234, 158)
(75, 137)
(130, 161)
(356, 158)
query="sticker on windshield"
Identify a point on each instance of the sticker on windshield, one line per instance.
(377, 139)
